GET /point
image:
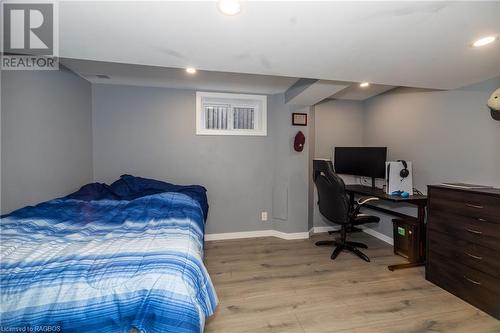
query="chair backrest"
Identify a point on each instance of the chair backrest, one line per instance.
(333, 201)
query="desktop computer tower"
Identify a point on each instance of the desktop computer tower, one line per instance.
(409, 239)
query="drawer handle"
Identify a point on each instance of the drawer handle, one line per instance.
(474, 206)
(481, 220)
(474, 231)
(472, 281)
(473, 256)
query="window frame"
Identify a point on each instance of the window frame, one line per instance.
(234, 100)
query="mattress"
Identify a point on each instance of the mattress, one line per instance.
(81, 264)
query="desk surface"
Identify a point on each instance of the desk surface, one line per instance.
(379, 193)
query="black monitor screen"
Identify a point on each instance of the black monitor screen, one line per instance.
(361, 161)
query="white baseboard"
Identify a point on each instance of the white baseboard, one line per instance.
(257, 233)
(378, 235)
(290, 236)
(238, 235)
(318, 230)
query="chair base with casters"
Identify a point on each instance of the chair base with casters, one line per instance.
(343, 244)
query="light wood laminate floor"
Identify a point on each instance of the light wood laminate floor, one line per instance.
(274, 285)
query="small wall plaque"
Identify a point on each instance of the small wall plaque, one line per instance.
(299, 119)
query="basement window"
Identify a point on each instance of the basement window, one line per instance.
(230, 114)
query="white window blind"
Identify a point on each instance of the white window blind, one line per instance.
(243, 118)
(230, 114)
(216, 116)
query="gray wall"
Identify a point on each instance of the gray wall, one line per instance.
(46, 136)
(150, 132)
(448, 135)
(312, 151)
(337, 123)
(47, 144)
(1, 98)
(290, 168)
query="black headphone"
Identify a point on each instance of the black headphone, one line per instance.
(404, 172)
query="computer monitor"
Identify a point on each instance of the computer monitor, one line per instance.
(360, 161)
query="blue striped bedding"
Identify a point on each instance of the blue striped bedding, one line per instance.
(81, 265)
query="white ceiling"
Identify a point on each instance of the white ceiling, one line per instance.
(419, 44)
(151, 76)
(356, 93)
(177, 78)
(317, 91)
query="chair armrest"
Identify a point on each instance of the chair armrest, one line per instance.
(365, 200)
(360, 203)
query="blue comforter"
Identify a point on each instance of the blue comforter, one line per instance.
(126, 260)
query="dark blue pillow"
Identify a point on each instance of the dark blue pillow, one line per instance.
(129, 188)
(94, 191)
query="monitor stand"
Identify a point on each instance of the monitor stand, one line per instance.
(373, 182)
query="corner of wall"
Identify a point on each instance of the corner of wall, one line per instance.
(92, 116)
(91, 97)
(1, 158)
(53, 108)
(312, 153)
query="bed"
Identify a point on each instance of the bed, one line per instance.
(116, 258)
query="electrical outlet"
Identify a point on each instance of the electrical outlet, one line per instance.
(263, 216)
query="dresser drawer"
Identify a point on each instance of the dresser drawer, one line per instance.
(468, 229)
(473, 286)
(466, 253)
(474, 205)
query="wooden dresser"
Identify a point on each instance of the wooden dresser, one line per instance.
(463, 244)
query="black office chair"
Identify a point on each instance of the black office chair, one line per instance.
(334, 205)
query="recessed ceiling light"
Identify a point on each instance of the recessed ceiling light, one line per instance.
(191, 70)
(229, 7)
(484, 41)
(364, 84)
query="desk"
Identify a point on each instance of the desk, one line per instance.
(418, 200)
